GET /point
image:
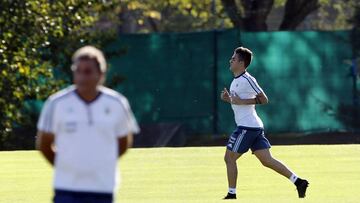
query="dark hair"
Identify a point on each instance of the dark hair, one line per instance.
(244, 54)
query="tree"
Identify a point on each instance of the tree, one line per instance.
(171, 15)
(37, 38)
(251, 15)
(144, 16)
(355, 34)
(296, 12)
(332, 15)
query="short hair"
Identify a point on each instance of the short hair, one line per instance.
(244, 54)
(90, 52)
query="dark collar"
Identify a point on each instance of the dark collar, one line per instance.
(240, 75)
(87, 101)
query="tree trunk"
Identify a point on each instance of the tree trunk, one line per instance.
(254, 16)
(233, 12)
(296, 11)
(127, 23)
(256, 13)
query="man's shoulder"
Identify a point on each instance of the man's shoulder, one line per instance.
(249, 78)
(113, 95)
(62, 94)
(248, 75)
(243, 78)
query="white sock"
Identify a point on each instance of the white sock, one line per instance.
(232, 190)
(293, 178)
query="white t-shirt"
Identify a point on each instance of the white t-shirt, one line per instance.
(246, 87)
(86, 135)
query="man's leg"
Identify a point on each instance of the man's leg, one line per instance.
(239, 143)
(231, 167)
(267, 160)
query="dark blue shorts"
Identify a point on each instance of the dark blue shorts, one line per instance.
(64, 196)
(245, 138)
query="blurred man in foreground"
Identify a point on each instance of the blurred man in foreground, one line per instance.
(82, 130)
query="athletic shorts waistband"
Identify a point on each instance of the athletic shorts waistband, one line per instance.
(82, 193)
(250, 128)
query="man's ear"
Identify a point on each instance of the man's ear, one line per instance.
(242, 63)
(102, 79)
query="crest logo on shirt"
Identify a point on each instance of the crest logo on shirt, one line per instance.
(107, 110)
(70, 126)
(70, 110)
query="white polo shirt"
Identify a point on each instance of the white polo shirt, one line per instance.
(246, 87)
(86, 138)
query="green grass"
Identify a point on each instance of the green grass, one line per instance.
(198, 175)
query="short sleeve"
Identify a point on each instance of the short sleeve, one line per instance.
(127, 122)
(254, 85)
(45, 122)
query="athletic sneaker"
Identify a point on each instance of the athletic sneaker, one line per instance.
(230, 196)
(301, 186)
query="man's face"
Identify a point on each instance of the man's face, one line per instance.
(235, 63)
(87, 74)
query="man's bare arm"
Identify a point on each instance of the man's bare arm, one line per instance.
(124, 144)
(259, 99)
(44, 143)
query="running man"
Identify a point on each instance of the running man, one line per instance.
(244, 94)
(82, 130)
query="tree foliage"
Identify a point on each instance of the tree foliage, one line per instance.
(250, 15)
(37, 38)
(171, 15)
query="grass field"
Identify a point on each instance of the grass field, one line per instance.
(198, 175)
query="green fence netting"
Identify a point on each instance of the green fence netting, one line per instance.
(177, 77)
